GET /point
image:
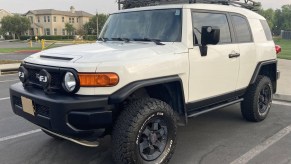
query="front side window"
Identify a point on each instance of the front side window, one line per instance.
(201, 19)
(242, 30)
(164, 25)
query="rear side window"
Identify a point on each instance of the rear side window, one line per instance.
(267, 30)
(211, 19)
(242, 29)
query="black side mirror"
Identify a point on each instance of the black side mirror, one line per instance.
(209, 35)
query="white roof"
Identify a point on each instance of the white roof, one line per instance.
(213, 7)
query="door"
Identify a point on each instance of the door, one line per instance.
(216, 74)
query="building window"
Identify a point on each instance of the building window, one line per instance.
(55, 19)
(63, 19)
(38, 19)
(64, 31)
(77, 20)
(73, 20)
(44, 18)
(47, 31)
(36, 31)
(70, 20)
(48, 19)
(55, 31)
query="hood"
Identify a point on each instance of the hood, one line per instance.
(109, 51)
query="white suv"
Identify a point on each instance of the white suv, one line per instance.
(151, 69)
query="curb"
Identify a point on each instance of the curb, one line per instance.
(9, 67)
(279, 97)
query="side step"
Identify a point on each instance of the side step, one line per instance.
(80, 142)
(206, 110)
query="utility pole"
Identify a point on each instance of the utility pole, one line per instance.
(97, 24)
(118, 4)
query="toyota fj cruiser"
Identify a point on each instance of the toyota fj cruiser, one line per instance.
(150, 70)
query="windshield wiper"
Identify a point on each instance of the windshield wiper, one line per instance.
(157, 41)
(103, 39)
(126, 40)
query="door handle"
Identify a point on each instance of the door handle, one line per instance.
(234, 55)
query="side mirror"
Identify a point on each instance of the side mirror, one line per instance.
(209, 35)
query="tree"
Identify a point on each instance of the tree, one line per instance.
(69, 28)
(91, 26)
(15, 24)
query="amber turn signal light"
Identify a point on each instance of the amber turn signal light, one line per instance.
(98, 80)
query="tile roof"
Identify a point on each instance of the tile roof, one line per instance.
(58, 12)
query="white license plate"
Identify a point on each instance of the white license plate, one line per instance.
(27, 105)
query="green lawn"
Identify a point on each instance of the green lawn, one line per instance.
(12, 50)
(9, 61)
(286, 48)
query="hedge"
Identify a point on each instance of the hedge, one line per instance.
(52, 37)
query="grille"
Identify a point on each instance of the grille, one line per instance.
(55, 78)
(17, 101)
(41, 110)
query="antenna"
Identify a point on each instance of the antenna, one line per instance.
(126, 4)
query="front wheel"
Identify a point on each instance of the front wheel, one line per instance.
(258, 100)
(144, 133)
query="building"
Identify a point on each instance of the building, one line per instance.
(52, 22)
(3, 13)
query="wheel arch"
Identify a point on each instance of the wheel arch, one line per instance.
(266, 68)
(168, 89)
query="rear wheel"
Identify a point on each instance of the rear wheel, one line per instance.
(144, 133)
(258, 100)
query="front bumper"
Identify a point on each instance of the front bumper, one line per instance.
(69, 115)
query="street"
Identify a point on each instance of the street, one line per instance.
(218, 137)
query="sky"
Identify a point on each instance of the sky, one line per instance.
(91, 6)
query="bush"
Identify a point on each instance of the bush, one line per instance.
(8, 37)
(51, 37)
(90, 37)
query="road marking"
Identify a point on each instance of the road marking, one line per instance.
(282, 103)
(8, 81)
(6, 98)
(19, 135)
(263, 146)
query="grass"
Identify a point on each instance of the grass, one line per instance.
(286, 48)
(9, 61)
(13, 50)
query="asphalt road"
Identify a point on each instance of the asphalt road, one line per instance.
(15, 56)
(218, 137)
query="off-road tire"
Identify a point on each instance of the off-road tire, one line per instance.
(129, 126)
(51, 135)
(250, 106)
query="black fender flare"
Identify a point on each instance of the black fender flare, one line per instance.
(259, 67)
(122, 94)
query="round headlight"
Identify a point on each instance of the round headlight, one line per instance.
(70, 82)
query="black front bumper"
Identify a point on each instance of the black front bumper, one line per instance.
(69, 115)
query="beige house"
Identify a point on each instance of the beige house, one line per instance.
(52, 22)
(3, 13)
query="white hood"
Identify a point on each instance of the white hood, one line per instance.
(109, 51)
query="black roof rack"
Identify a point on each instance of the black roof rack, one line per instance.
(126, 4)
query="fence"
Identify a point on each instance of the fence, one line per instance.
(286, 34)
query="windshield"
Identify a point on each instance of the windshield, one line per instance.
(162, 25)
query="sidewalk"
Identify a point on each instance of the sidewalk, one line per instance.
(284, 83)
